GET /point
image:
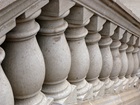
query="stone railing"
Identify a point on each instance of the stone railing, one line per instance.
(86, 53)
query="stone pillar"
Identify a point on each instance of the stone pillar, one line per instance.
(56, 51)
(138, 72)
(6, 95)
(95, 25)
(124, 59)
(129, 51)
(104, 43)
(136, 61)
(26, 68)
(79, 17)
(117, 64)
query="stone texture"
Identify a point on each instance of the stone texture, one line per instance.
(104, 43)
(4, 3)
(75, 35)
(117, 64)
(130, 57)
(56, 53)
(124, 59)
(6, 97)
(26, 68)
(95, 25)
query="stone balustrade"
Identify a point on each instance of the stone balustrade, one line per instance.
(68, 52)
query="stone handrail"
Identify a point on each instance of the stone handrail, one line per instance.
(69, 52)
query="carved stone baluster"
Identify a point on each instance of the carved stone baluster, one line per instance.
(104, 43)
(129, 51)
(124, 59)
(138, 72)
(79, 17)
(6, 94)
(136, 61)
(95, 25)
(117, 64)
(26, 68)
(56, 51)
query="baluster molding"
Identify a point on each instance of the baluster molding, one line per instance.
(26, 68)
(138, 72)
(124, 59)
(6, 97)
(104, 43)
(136, 61)
(95, 25)
(79, 17)
(117, 64)
(56, 51)
(129, 51)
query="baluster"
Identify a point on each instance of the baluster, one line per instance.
(136, 61)
(129, 51)
(124, 59)
(6, 93)
(95, 25)
(138, 72)
(56, 52)
(75, 34)
(117, 64)
(26, 68)
(104, 43)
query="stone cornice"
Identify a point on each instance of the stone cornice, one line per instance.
(9, 14)
(115, 14)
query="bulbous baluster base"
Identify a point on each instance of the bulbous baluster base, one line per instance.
(84, 90)
(62, 93)
(39, 99)
(98, 88)
(109, 87)
(125, 84)
(117, 85)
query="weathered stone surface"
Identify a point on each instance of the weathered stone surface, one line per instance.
(95, 25)
(6, 97)
(111, 50)
(16, 8)
(75, 35)
(131, 62)
(56, 53)
(5, 3)
(117, 64)
(26, 68)
(60, 7)
(124, 59)
(104, 43)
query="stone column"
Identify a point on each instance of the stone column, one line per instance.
(117, 64)
(6, 93)
(26, 68)
(56, 51)
(136, 61)
(104, 43)
(95, 25)
(79, 17)
(129, 51)
(138, 72)
(124, 59)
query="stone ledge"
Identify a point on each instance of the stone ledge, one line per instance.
(12, 11)
(129, 97)
(108, 12)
